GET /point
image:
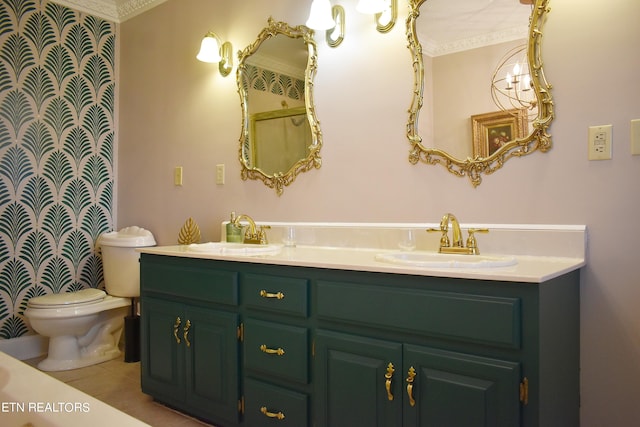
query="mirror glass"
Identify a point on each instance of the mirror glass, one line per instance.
(280, 135)
(480, 91)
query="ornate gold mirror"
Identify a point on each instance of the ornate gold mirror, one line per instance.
(479, 85)
(280, 135)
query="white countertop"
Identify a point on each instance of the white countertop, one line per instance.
(530, 269)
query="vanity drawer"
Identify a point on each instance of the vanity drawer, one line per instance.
(489, 320)
(282, 295)
(266, 405)
(188, 279)
(277, 349)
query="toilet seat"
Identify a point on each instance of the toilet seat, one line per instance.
(68, 299)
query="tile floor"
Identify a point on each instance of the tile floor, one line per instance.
(118, 384)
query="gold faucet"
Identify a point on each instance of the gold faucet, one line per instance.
(456, 247)
(252, 235)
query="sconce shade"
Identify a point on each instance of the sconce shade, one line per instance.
(372, 6)
(209, 50)
(321, 17)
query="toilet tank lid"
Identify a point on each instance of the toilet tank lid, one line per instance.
(128, 237)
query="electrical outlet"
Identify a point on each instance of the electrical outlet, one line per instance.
(177, 175)
(220, 174)
(600, 142)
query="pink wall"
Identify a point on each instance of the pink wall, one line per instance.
(175, 111)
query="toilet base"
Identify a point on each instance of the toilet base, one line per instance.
(91, 339)
(53, 365)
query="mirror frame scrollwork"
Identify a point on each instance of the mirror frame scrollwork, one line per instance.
(473, 168)
(279, 180)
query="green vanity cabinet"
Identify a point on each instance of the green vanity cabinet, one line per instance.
(285, 345)
(425, 351)
(395, 383)
(190, 348)
(277, 357)
(385, 383)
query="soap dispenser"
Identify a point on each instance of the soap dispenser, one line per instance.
(234, 232)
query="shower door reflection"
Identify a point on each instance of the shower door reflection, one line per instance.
(279, 139)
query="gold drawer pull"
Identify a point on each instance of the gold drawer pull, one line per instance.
(175, 329)
(279, 415)
(387, 383)
(186, 333)
(265, 294)
(412, 374)
(279, 351)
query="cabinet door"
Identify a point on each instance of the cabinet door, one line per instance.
(161, 357)
(211, 349)
(351, 384)
(462, 390)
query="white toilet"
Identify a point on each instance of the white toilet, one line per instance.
(84, 327)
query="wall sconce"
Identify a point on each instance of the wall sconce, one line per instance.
(335, 36)
(385, 11)
(212, 50)
(321, 15)
(330, 19)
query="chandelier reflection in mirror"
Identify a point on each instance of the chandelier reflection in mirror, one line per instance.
(511, 84)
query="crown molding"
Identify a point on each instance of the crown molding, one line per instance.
(112, 10)
(433, 49)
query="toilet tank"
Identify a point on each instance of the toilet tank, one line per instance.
(120, 261)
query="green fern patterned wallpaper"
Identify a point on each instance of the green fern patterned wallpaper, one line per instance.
(57, 98)
(265, 80)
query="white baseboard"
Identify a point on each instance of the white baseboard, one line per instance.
(26, 347)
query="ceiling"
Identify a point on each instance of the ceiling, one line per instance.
(445, 26)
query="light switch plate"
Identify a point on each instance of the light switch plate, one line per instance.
(635, 137)
(220, 174)
(177, 175)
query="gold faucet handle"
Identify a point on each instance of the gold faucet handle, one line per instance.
(262, 235)
(444, 240)
(472, 243)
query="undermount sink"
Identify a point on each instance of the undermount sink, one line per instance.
(227, 248)
(438, 260)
